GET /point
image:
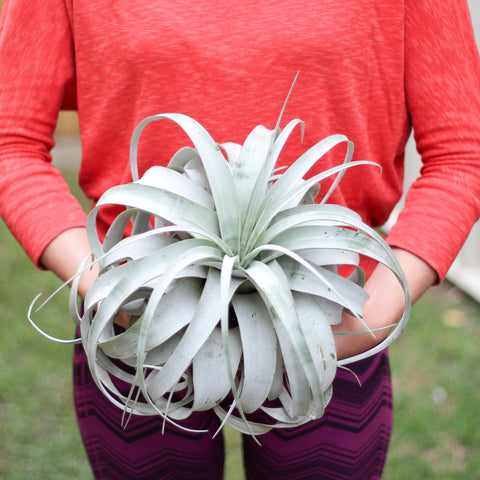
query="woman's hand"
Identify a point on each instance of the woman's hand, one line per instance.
(64, 255)
(385, 304)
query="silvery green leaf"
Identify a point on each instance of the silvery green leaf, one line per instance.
(315, 214)
(259, 350)
(180, 159)
(238, 424)
(277, 380)
(174, 313)
(136, 247)
(272, 286)
(188, 161)
(315, 326)
(210, 376)
(325, 284)
(248, 166)
(232, 151)
(277, 199)
(174, 182)
(302, 197)
(207, 315)
(299, 168)
(167, 205)
(217, 171)
(146, 269)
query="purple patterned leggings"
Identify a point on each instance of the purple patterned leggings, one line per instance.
(350, 442)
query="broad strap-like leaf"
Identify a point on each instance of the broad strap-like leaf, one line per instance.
(259, 346)
(173, 208)
(169, 180)
(319, 282)
(207, 315)
(136, 247)
(188, 161)
(249, 164)
(277, 199)
(313, 214)
(301, 188)
(272, 286)
(266, 173)
(210, 376)
(174, 312)
(316, 328)
(155, 266)
(216, 168)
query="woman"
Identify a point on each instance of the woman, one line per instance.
(369, 69)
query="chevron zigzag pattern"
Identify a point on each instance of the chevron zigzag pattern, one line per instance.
(349, 443)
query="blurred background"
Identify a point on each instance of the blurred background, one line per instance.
(435, 364)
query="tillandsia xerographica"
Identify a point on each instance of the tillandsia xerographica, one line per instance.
(230, 271)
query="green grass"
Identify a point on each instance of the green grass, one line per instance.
(435, 366)
(437, 396)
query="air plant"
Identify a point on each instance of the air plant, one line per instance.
(229, 272)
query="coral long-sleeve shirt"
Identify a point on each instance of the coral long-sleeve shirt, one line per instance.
(369, 69)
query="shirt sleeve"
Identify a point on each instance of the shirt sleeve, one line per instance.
(442, 82)
(36, 72)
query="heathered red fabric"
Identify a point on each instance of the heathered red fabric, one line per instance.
(368, 69)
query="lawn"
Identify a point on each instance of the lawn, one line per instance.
(435, 368)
